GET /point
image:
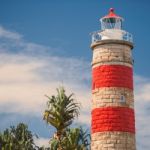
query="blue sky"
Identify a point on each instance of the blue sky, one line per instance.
(44, 44)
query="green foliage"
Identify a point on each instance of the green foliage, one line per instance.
(61, 110)
(74, 139)
(60, 113)
(17, 138)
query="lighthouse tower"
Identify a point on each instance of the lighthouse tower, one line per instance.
(113, 120)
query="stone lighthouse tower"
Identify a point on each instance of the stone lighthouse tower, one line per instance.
(113, 120)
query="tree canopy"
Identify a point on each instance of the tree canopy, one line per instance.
(17, 138)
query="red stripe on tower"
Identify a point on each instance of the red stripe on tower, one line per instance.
(112, 76)
(113, 119)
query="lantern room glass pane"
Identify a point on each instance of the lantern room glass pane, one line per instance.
(111, 23)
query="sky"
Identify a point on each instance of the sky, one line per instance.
(46, 44)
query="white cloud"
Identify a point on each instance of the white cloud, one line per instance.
(25, 82)
(142, 108)
(9, 35)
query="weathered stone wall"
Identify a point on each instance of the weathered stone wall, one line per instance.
(112, 96)
(113, 120)
(113, 141)
(112, 76)
(112, 53)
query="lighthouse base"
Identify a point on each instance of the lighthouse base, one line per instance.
(113, 141)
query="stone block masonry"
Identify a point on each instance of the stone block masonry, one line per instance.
(111, 96)
(112, 53)
(112, 76)
(113, 141)
(113, 118)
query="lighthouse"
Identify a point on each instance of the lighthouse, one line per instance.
(113, 119)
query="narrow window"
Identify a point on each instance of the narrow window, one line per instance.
(122, 99)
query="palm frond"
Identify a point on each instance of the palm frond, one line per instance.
(61, 110)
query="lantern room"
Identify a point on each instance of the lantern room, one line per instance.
(111, 29)
(111, 21)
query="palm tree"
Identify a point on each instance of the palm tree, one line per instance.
(61, 111)
(76, 139)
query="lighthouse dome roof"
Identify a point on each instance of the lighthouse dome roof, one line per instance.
(112, 15)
